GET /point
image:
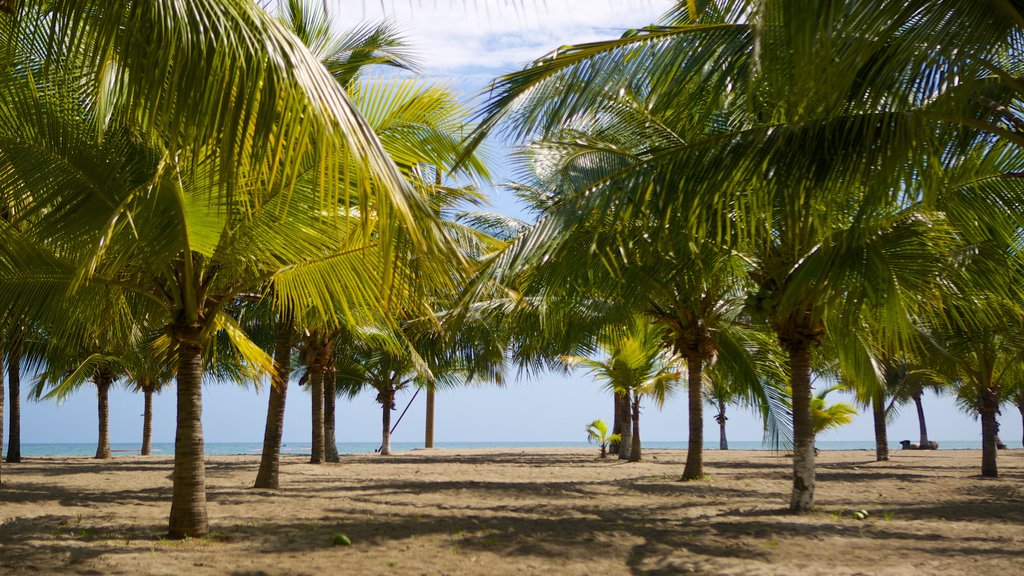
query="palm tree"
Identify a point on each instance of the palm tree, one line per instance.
(829, 416)
(246, 216)
(754, 83)
(597, 431)
(696, 290)
(981, 360)
(636, 366)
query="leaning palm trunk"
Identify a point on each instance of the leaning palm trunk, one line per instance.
(920, 419)
(147, 421)
(881, 438)
(330, 441)
(802, 499)
(14, 398)
(988, 405)
(270, 460)
(634, 449)
(102, 382)
(723, 442)
(188, 504)
(626, 427)
(694, 468)
(316, 384)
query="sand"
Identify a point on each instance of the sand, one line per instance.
(536, 511)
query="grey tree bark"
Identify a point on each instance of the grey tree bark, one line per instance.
(881, 436)
(103, 382)
(14, 400)
(330, 395)
(270, 460)
(634, 449)
(188, 502)
(694, 468)
(625, 427)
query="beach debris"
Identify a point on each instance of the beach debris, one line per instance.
(340, 539)
(908, 445)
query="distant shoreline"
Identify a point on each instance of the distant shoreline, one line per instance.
(119, 449)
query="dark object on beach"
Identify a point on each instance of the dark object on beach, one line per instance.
(908, 445)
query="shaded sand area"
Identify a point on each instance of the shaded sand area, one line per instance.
(538, 511)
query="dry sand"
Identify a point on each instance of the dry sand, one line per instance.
(537, 511)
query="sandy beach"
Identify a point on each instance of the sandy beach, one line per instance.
(537, 511)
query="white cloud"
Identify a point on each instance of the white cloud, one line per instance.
(485, 37)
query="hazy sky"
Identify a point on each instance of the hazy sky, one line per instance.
(467, 43)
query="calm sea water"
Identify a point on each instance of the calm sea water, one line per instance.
(254, 448)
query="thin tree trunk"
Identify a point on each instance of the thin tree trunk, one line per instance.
(428, 434)
(3, 393)
(147, 420)
(14, 399)
(613, 447)
(102, 382)
(802, 499)
(881, 438)
(385, 440)
(694, 468)
(1020, 407)
(330, 395)
(634, 450)
(988, 406)
(316, 384)
(270, 460)
(920, 419)
(188, 505)
(626, 427)
(723, 442)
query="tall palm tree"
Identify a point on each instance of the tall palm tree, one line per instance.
(246, 216)
(635, 366)
(804, 147)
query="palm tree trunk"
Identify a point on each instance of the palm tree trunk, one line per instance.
(330, 394)
(270, 460)
(14, 399)
(881, 438)
(613, 447)
(188, 504)
(428, 434)
(102, 382)
(626, 427)
(147, 421)
(723, 442)
(385, 440)
(802, 499)
(634, 449)
(3, 393)
(920, 419)
(694, 468)
(988, 405)
(316, 383)
(1020, 407)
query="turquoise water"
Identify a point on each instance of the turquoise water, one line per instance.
(254, 448)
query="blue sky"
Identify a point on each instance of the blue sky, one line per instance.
(467, 43)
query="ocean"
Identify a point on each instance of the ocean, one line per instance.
(254, 448)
